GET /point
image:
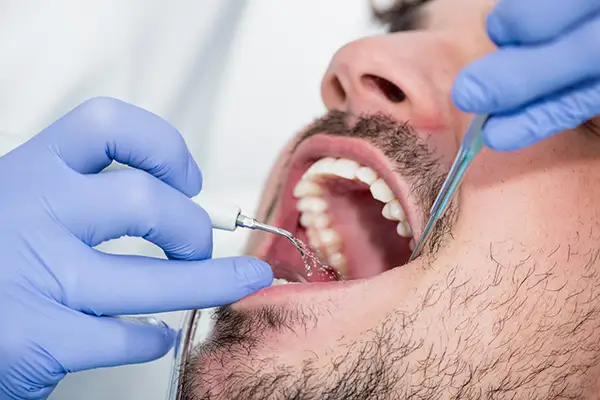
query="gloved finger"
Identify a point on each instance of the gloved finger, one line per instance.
(97, 342)
(101, 130)
(134, 203)
(31, 392)
(542, 119)
(124, 285)
(513, 77)
(532, 21)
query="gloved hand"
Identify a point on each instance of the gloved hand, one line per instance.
(57, 293)
(545, 77)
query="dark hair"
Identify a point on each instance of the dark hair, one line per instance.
(402, 15)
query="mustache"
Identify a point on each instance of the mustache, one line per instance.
(233, 327)
(237, 333)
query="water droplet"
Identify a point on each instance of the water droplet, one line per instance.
(313, 265)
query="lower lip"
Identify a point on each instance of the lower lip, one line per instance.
(296, 288)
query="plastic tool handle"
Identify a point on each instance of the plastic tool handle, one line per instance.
(223, 215)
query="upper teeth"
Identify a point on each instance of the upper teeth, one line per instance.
(313, 208)
(311, 204)
(366, 175)
(393, 211)
(307, 188)
(381, 191)
(345, 168)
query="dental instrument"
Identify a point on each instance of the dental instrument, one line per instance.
(229, 217)
(470, 146)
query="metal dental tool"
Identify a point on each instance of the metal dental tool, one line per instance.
(251, 223)
(470, 146)
(229, 217)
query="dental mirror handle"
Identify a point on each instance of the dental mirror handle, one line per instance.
(223, 216)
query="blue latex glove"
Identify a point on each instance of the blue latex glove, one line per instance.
(545, 77)
(57, 293)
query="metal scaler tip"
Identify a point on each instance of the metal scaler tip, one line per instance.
(250, 223)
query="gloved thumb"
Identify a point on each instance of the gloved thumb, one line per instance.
(110, 341)
(126, 285)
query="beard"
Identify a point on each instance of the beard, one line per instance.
(364, 371)
(524, 331)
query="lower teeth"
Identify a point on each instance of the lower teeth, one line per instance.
(277, 282)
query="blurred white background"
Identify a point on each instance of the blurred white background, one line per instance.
(267, 89)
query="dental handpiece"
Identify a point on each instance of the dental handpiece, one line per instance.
(229, 217)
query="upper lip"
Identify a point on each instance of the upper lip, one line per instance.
(312, 149)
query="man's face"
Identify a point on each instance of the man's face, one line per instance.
(504, 303)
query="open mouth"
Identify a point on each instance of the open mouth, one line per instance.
(342, 197)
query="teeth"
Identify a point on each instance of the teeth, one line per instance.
(314, 238)
(311, 220)
(366, 175)
(404, 230)
(328, 244)
(408, 229)
(323, 166)
(313, 208)
(321, 221)
(306, 188)
(345, 168)
(381, 191)
(339, 262)
(311, 204)
(277, 282)
(331, 240)
(393, 211)
(307, 219)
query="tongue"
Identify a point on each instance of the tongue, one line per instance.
(369, 241)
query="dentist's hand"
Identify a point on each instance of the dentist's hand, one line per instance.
(57, 293)
(545, 77)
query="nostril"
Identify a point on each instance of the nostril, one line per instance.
(392, 92)
(338, 89)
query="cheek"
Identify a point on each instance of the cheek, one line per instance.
(434, 62)
(330, 322)
(539, 196)
(276, 176)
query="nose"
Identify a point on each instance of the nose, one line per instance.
(360, 80)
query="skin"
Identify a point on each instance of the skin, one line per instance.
(506, 307)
